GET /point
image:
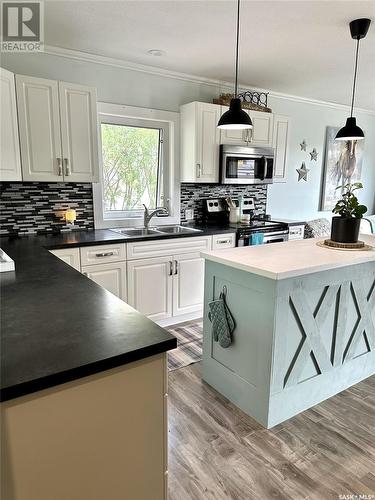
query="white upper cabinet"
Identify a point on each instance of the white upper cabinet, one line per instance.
(200, 140)
(79, 132)
(259, 135)
(58, 131)
(39, 124)
(280, 144)
(10, 161)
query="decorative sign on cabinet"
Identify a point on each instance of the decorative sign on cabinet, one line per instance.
(10, 160)
(201, 139)
(58, 130)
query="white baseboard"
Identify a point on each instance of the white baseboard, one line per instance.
(176, 320)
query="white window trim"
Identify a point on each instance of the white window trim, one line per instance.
(109, 113)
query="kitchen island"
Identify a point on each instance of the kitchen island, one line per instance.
(305, 325)
(83, 384)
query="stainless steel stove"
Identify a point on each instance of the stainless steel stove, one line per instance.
(274, 232)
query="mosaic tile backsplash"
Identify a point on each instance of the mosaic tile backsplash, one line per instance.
(193, 194)
(30, 207)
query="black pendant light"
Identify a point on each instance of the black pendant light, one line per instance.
(351, 131)
(235, 117)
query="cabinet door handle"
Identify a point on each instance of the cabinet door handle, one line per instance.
(175, 267)
(199, 170)
(59, 167)
(67, 167)
(104, 254)
(223, 241)
(170, 268)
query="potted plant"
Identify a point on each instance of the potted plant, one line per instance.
(345, 226)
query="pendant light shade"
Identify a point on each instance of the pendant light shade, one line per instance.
(351, 131)
(235, 118)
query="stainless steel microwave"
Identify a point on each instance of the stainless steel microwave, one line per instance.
(246, 165)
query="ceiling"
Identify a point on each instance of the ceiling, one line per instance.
(301, 48)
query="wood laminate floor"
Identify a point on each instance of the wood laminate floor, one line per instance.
(217, 452)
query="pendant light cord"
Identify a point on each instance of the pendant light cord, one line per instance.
(355, 77)
(237, 48)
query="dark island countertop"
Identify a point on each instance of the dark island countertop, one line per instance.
(58, 326)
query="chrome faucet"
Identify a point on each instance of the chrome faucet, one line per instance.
(149, 215)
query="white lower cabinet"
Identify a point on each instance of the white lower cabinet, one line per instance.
(188, 281)
(150, 286)
(70, 256)
(111, 276)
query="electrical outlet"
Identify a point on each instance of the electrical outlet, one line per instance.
(189, 213)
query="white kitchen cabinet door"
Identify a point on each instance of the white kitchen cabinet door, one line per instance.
(111, 276)
(70, 256)
(262, 128)
(260, 135)
(200, 140)
(188, 281)
(39, 127)
(10, 159)
(150, 286)
(78, 116)
(280, 144)
(208, 139)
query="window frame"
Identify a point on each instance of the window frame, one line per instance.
(168, 121)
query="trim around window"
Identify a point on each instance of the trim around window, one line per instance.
(168, 121)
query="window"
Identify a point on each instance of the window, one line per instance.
(132, 168)
(137, 166)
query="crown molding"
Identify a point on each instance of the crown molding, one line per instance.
(164, 73)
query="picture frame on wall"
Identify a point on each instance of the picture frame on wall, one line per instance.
(342, 165)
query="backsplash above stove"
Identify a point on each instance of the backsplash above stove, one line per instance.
(193, 194)
(30, 207)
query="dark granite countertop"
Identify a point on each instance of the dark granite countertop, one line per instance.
(58, 326)
(106, 236)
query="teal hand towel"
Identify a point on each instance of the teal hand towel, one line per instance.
(256, 239)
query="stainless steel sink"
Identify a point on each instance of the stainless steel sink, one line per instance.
(177, 230)
(134, 232)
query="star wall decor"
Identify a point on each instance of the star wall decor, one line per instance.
(303, 145)
(302, 172)
(314, 155)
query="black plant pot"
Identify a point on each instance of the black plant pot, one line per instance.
(345, 229)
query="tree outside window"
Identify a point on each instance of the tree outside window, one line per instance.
(131, 167)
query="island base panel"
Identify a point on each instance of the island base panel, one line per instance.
(100, 437)
(297, 342)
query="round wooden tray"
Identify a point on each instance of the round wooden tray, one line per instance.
(351, 247)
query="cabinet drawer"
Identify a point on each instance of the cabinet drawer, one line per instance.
(223, 241)
(102, 253)
(172, 246)
(296, 232)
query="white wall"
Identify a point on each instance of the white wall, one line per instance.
(292, 199)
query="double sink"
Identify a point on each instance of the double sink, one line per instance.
(155, 231)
